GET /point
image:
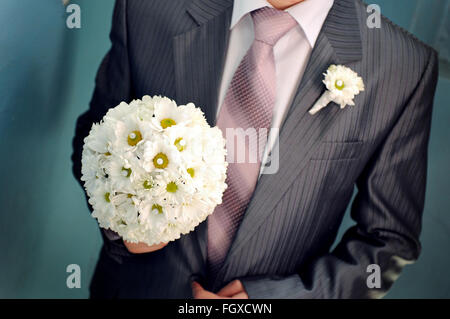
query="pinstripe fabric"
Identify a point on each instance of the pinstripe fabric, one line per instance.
(282, 247)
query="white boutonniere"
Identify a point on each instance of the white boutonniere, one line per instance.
(343, 84)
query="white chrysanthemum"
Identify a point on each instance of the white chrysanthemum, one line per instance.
(143, 185)
(121, 173)
(90, 170)
(130, 133)
(173, 188)
(194, 214)
(214, 150)
(198, 175)
(100, 138)
(122, 110)
(154, 219)
(146, 108)
(213, 190)
(197, 118)
(343, 84)
(127, 208)
(160, 155)
(101, 200)
(167, 113)
(188, 141)
(153, 171)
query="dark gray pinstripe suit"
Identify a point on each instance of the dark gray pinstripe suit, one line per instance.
(282, 248)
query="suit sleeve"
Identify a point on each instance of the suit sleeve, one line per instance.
(387, 210)
(112, 85)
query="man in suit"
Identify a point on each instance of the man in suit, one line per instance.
(272, 236)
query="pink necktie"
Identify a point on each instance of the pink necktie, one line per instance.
(248, 103)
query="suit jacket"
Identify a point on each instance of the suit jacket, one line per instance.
(282, 248)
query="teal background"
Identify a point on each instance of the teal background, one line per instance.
(46, 80)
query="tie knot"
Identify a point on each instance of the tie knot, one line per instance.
(271, 24)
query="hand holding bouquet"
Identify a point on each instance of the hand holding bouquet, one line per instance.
(153, 170)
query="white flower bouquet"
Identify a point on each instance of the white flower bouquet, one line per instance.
(153, 170)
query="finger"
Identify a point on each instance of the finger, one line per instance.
(231, 289)
(196, 288)
(199, 292)
(240, 295)
(205, 294)
(140, 248)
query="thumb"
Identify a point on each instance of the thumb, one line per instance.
(196, 287)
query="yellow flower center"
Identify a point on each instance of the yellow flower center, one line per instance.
(160, 160)
(191, 172)
(165, 123)
(157, 209)
(147, 184)
(107, 154)
(126, 172)
(339, 84)
(171, 187)
(180, 143)
(108, 200)
(130, 196)
(134, 138)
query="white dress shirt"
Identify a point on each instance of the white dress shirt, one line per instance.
(291, 52)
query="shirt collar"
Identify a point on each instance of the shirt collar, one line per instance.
(309, 14)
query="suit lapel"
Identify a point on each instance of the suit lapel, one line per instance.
(338, 43)
(200, 53)
(199, 56)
